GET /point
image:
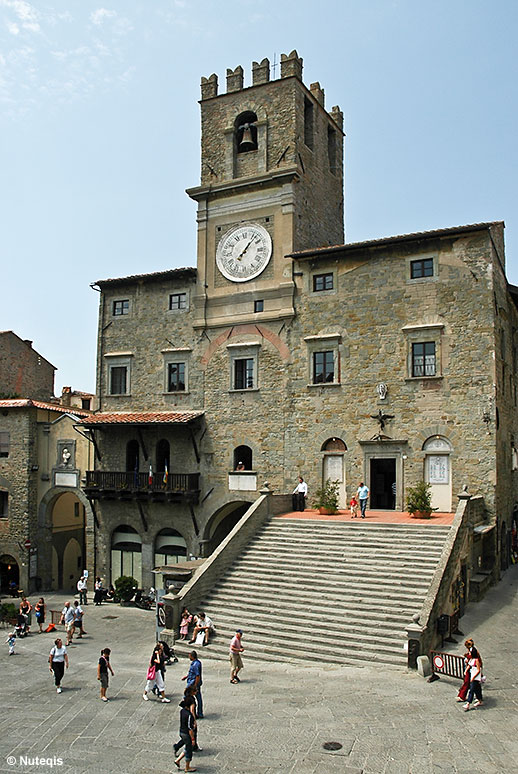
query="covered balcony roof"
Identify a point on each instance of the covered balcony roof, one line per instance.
(141, 418)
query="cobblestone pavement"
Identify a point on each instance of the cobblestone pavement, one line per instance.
(276, 720)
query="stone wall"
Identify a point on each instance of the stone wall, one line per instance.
(23, 372)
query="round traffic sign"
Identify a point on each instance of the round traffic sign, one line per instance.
(27, 543)
(438, 662)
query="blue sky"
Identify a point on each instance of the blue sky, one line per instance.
(99, 126)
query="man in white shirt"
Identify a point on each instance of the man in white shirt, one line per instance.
(363, 496)
(202, 624)
(81, 587)
(299, 495)
(67, 618)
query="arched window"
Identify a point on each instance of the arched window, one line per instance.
(170, 547)
(132, 456)
(126, 550)
(334, 444)
(245, 132)
(162, 456)
(243, 457)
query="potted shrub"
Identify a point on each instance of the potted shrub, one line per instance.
(326, 498)
(419, 500)
(125, 587)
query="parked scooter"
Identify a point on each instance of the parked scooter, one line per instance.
(145, 601)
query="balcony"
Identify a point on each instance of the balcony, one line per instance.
(108, 485)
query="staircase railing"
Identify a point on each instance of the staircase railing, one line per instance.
(196, 590)
(423, 634)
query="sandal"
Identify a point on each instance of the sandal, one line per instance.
(233, 680)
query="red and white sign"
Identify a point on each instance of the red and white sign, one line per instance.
(27, 543)
(438, 662)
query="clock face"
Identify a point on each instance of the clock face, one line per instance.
(244, 252)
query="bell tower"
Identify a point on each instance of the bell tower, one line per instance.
(271, 183)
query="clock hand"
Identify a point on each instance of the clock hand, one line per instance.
(244, 251)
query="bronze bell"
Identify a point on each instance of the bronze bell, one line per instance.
(247, 143)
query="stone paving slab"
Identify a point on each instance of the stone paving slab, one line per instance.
(277, 719)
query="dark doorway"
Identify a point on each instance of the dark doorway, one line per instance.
(383, 484)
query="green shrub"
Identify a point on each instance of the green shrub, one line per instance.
(125, 587)
(327, 496)
(419, 498)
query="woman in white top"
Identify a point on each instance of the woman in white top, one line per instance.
(58, 660)
(475, 676)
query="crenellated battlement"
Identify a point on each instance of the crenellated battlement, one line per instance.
(290, 66)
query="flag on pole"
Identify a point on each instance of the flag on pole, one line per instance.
(135, 474)
(150, 480)
(166, 475)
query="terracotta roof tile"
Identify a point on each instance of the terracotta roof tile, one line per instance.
(28, 403)
(141, 418)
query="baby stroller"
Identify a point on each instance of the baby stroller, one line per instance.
(22, 627)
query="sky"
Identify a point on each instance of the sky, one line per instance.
(100, 134)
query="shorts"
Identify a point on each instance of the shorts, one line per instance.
(236, 661)
(69, 626)
(104, 679)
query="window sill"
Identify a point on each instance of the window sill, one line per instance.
(326, 384)
(247, 389)
(423, 378)
(118, 395)
(177, 392)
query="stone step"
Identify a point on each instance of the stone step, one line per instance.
(280, 564)
(351, 529)
(279, 655)
(338, 549)
(278, 583)
(333, 648)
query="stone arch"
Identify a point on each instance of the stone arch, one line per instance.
(334, 444)
(245, 132)
(221, 523)
(240, 330)
(9, 572)
(437, 450)
(45, 533)
(170, 547)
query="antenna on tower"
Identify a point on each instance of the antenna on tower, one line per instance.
(274, 65)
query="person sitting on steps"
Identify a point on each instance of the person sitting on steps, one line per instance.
(202, 623)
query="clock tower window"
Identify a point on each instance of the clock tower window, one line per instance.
(245, 132)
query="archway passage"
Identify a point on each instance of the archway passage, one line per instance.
(68, 541)
(9, 574)
(221, 523)
(243, 456)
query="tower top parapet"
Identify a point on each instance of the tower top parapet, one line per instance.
(291, 66)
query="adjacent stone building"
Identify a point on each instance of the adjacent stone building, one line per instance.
(290, 352)
(46, 522)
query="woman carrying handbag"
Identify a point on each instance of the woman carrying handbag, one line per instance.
(154, 674)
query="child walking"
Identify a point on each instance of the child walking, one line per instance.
(11, 640)
(102, 671)
(184, 624)
(354, 507)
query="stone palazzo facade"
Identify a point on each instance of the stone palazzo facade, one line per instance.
(287, 351)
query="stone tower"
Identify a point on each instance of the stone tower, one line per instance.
(271, 183)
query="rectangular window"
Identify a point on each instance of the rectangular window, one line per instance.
(423, 359)
(323, 367)
(118, 380)
(4, 505)
(120, 307)
(4, 443)
(244, 373)
(259, 306)
(422, 268)
(308, 123)
(178, 301)
(322, 282)
(86, 403)
(176, 377)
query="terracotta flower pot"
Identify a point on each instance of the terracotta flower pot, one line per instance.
(421, 514)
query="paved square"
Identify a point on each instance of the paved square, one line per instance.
(276, 720)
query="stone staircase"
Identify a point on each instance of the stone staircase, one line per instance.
(330, 592)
